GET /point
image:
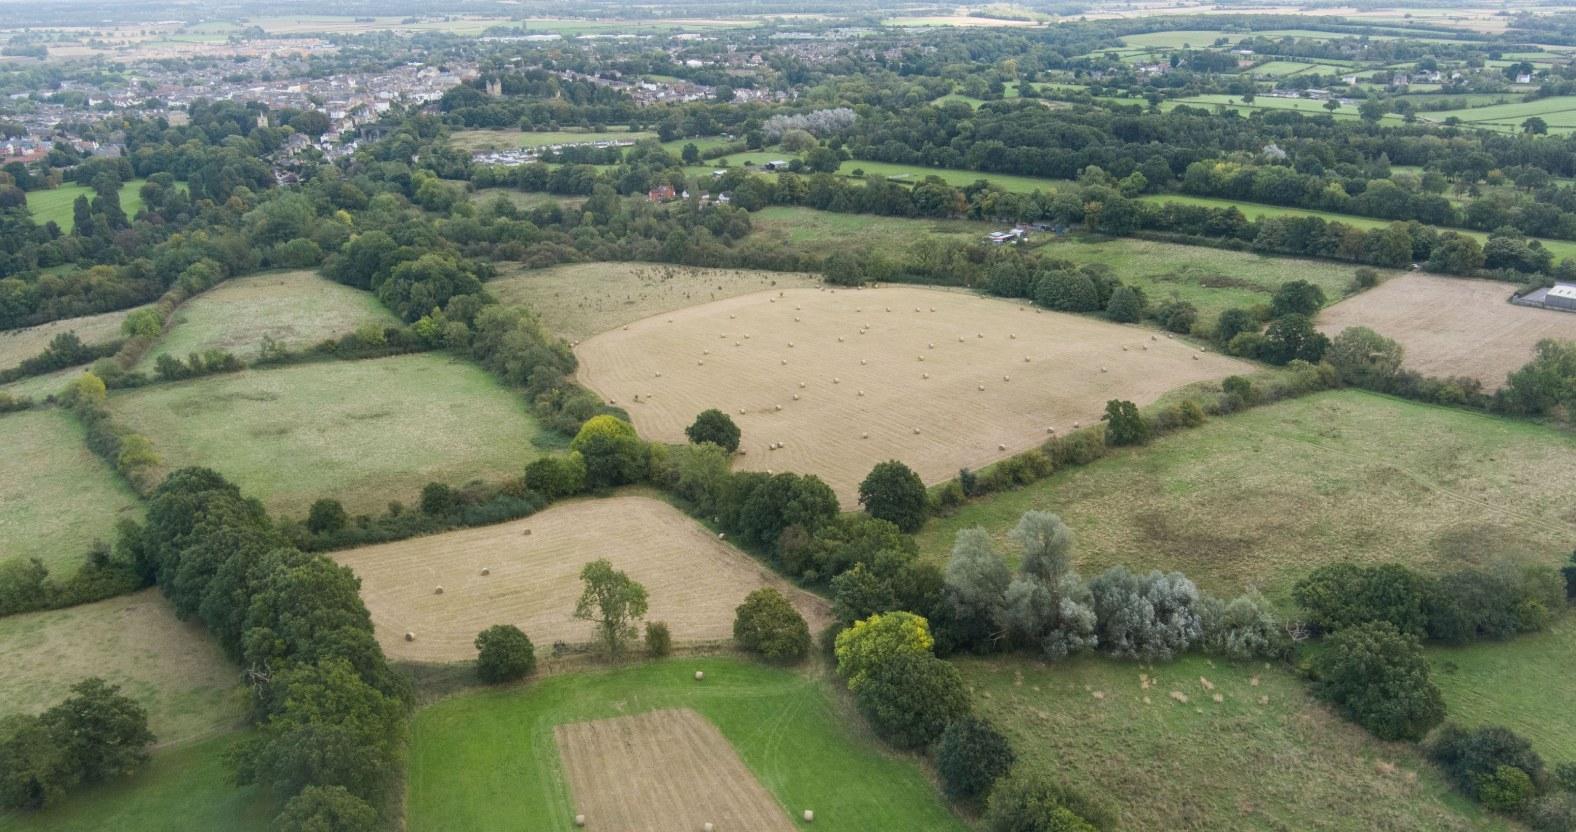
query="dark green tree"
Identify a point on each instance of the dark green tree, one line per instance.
(893, 492)
(1124, 425)
(971, 756)
(1380, 679)
(326, 516)
(715, 427)
(767, 625)
(504, 654)
(327, 809)
(910, 698)
(1297, 297)
(102, 733)
(613, 602)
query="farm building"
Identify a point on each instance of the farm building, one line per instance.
(1561, 296)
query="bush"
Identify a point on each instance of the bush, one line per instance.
(970, 757)
(1150, 617)
(878, 638)
(659, 642)
(1126, 306)
(893, 492)
(1297, 297)
(715, 427)
(1028, 802)
(767, 625)
(556, 477)
(1365, 358)
(1364, 278)
(1380, 679)
(612, 453)
(1123, 424)
(1245, 628)
(504, 654)
(94, 735)
(1177, 316)
(1552, 813)
(326, 809)
(326, 517)
(1341, 595)
(910, 698)
(1476, 760)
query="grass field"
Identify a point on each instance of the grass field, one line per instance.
(1523, 684)
(363, 432)
(1264, 756)
(1178, 39)
(809, 230)
(172, 668)
(846, 379)
(38, 387)
(182, 788)
(694, 581)
(1451, 326)
(525, 200)
(1561, 249)
(579, 300)
(473, 140)
(55, 203)
(488, 761)
(58, 497)
(1306, 106)
(296, 308)
(1558, 111)
(16, 345)
(1262, 497)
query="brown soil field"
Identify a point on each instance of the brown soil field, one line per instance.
(1452, 326)
(579, 300)
(661, 771)
(693, 580)
(173, 668)
(846, 379)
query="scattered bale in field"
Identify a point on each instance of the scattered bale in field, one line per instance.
(1124, 348)
(861, 392)
(839, 339)
(1195, 358)
(796, 397)
(700, 675)
(741, 411)
(1012, 336)
(863, 362)
(1154, 337)
(1006, 378)
(526, 533)
(580, 820)
(801, 385)
(1001, 446)
(1146, 348)
(410, 636)
(1049, 429)
(916, 431)
(1076, 425)
(924, 375)
(659, 375)
(981, 388)
(486, 571)
(1105, 370)
(707, 827)
(777, 407)
(1025, 359)
(809, 815)
(699, 363)
(836, 380)
(785, 362)
(865, 435)
(437, 591)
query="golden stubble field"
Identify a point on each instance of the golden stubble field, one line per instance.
(844, 379)
(1452, 326)
(693, 580)
(662, 770)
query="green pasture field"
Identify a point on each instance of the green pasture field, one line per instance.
(38, 387)
(1280, 69)
(1265, 756)
(363, 432)
(1195, 38)
(172, 668)
(181, 788)
(488, 761)
(525, 200)
(55, 203)
(1561, 249)
(955, 177)
(17, 345)
(1261, 498)
(296, 308)
(1559, 111)
(473, 140)
(1306, 106)
(809, 230)
(1523, 684)
(57, 496)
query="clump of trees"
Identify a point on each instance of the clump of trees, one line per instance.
(907, 693)
(503, 654)
(1379, 677)
(1455, 608)
(95, 735)
(715, 427)
(767, 625)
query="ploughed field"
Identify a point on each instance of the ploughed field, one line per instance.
(1452, 326)
(693, 580)
(839, 380)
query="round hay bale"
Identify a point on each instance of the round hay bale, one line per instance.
(836, 380)
(659, 375)
(700, 675)
(1195, 356)
(801, 385)
(700, 363)
(1025, 359)
(861, 392)
(979, 335)
(796, 319)
(1006, 378)
(924, 375)
(486, 571)
(796, 397)
(626, 327)
(809, 816)
(437, 590)
(778, 407)
(1104, 370)
(1077, 424)
(785, 362)
(1001, 446)
(865, 435)
(790, 345)
(1124, 348)
(932, 345)
(1013, 336)
(960, 339)
(741, 411)
(731, 317)
(1049, 429)
(839, 339)
(981, 388)
(1146, 348)
(1154, 337)
(410, 636)
(527, 533)
(722, 535)
(580, 820)
(707, 827)
(862, 362)
(916, 431)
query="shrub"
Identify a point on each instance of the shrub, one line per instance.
(1554, 812)
(893, 492)
(909, 697)
(1177, 316)
(659, 642)
(503, 654)
(970, 757)
(1364, 278)
(1365, 358)
(556, 477)
(1380, 679)
(1147, 617)
(767, 625)
(1475, 762)
(1340, 595)
(715, 427)
(612, 453)
(878, 638)
(1297, 297)
(439, 500)
(1234, 322)
(1028, 802)
(1244, 628)
(326, 809)
(1125, 306)
(1123, 424)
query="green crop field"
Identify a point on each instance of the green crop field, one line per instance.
(1195, 38)
(471, 140)
(58, 497)
(1561, 249)
(297, 308)
(172, 668)
(364, 432)
(182, 788)
(1523, 684)
(488, 761)
(1264, 756)
(1262, 497)
(55, 204)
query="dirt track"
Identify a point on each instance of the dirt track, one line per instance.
(662, 771)
(937, 379)
(693, 580)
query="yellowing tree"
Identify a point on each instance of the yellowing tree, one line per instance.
(877, 639)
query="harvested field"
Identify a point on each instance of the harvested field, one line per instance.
(16, 345)
(295, 308)
(172, 668)
(56, 496)
(846, 379)
(693, 580)
(577, 301)
(362, 432)
(1452, 326)
(662, 770)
